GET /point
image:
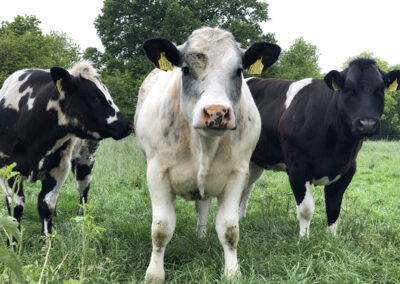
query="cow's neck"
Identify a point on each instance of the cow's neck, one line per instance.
(208, 148)
(338, 136)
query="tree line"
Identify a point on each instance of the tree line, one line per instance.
(123, 25)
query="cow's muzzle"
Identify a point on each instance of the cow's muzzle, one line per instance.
(217, 117)
(124, 128)
(367, 126)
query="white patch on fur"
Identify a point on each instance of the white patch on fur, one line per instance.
(45, 226)
(332, 228)
(94, 134)
(10, 90)
(59, 174)
(2, 155)
(325, 180)
(294, 88)
(111, 119)
(305, 211)
(18, 200)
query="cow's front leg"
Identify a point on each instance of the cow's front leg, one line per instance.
(164, 220)
(227, 221)
(48, 196)
(333, 198)
(255, 173)
(202, 208)
(301, 188)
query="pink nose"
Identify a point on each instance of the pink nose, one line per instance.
(217, 117)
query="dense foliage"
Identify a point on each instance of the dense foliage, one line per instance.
(23, 45)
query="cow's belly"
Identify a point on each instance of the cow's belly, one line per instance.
(183, 178)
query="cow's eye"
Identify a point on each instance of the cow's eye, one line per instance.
(239, 72)
(351, 93)
(185, 70)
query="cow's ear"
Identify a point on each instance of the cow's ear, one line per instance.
(392, 80)
(334, 80)
(162, 52)
(260, 56)
(60, 77)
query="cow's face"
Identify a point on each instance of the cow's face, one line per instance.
(362, 92)
(87, 105)
(211, 65)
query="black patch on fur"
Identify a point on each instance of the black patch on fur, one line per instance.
(82, 171)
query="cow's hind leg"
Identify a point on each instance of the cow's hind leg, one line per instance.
(82, 166)
(255, 173)
(164, 219)
(17, 199)
(51, 186)
(333, 198)
(227, 221)
(202, 208)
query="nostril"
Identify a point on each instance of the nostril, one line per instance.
(227, 114)
(206, 114)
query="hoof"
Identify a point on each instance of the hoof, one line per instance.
(201, 231)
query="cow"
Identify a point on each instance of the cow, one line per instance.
(197, 126)
(44, 115)
(313, 130)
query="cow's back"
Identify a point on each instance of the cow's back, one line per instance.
(269, 96)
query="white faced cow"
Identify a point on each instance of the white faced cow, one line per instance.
(314, 129)
(44, 114)
(197, 126)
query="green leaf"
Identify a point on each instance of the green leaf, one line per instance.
(10, 224)
(10, 260)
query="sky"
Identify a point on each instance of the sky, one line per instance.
(339, 28)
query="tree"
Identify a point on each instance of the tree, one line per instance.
(124, 25)
(23, 45)
(299, 62)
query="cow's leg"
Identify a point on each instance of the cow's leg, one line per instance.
(82, 168)
(255, 173)
(164, 220)
(227, 221)
(202, 208)
(301, 187)
(18, 201)
(333, 198)
(51, 186)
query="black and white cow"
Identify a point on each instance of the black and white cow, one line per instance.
(314, 129)
(44, 114)
(197, 126)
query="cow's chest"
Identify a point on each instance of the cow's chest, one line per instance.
(184, 179)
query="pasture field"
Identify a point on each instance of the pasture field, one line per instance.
(366, 249)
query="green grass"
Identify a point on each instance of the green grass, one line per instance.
(366, 249)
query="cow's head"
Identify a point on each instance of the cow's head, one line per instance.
(86, 105)
(361, 94)
(212, 64)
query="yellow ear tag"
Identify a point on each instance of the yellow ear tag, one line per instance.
(58, 85)
(256, 68)
(393, 86)
(164, 63)
(335, 86)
